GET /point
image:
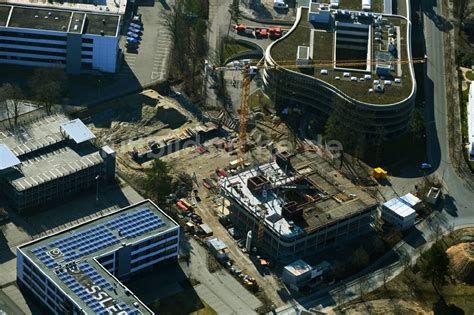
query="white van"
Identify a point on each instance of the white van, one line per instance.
(279, 4)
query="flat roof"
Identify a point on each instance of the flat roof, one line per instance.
(7, 157)
(43, 19)
(77, 131)
(217, 243)
(97, 6)
(399, 207)
(68, 253)
(410, 199)
(51, 19)
(298, 267)
(325, 196)
(44, 152)
(4, 13)
(98, 24)
(323, 42)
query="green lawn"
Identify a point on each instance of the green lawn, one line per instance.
(284, 52)
(259, 100)
(470, 75)
(377, 5)
(231, 49)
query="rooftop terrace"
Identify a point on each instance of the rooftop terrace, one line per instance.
(69, 257)
(322, 39)
(312, 196)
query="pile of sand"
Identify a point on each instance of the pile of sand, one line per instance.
(462, 261)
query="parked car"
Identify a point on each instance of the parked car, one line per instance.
(134, 30)
(136, 25)
(137, 18)
(132, 40)
(425, 166)
(133, 35)
(241, 243)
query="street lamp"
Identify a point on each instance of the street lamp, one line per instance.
(97, 188)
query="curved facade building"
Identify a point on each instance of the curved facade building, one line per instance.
(358, 62)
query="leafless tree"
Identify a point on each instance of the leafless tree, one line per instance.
(385, 275)
(363, 287)
(360, 258)
(438, 231)
(10, 96)
(47, 86)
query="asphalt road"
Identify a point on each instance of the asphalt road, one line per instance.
(458, 210)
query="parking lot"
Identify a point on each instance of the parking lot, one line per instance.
(149, 61)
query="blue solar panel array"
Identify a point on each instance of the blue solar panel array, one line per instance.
(88, 241)
(85, 242)
(82, 293)
(43, 256)
(137, 223)
(95, 277)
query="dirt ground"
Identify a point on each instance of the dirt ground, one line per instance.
(411, 288)
(384, 307)
(267, 12)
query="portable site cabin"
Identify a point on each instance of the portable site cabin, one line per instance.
(366, 5)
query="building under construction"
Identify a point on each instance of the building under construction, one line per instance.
(48, 158)
(297, 206)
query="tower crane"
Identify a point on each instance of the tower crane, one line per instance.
(248, 72)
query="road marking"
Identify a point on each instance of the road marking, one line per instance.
(155, 75)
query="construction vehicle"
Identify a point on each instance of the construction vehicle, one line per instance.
(249, 71)
(379, 173)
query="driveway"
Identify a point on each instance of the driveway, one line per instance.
(219, 289)
(149, 63)
(458, 211)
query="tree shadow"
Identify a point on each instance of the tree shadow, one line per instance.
(261, 11)
(449, 204)
(442, 308)
(440, 22)
(5, 252)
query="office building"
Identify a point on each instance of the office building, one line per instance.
(297, 206)
(50, 158)
(358, 63)
(78, 37)
(80, 270)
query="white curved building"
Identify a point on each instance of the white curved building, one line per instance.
(358, 60)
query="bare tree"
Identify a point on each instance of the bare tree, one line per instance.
(438, 231)
(339, 297)
(405, 259)
(385, 275)
(360, 258)
(363, 287)
(10, 96)
(47, 86)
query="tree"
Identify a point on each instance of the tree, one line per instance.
(182, 184)
(417, 126)
(363, 287)
(385, 275)
(234, 11)
(10, 96)
(435, 266)
(360, 258)
(158, 181)
(47, 86)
